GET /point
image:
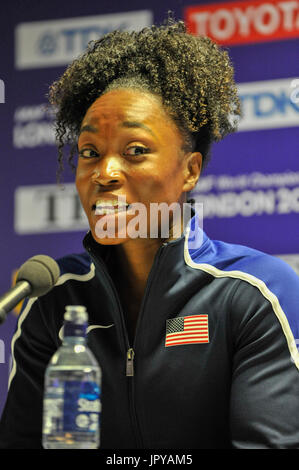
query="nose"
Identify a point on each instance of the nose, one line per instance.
(108, 172)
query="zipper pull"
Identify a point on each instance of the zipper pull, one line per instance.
(130, 362)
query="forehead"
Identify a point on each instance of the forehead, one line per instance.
(122, 105)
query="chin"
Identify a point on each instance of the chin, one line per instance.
(115, 240)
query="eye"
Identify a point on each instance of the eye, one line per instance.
(137, 150)
(88, 153)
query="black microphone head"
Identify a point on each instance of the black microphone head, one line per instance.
(42, 273)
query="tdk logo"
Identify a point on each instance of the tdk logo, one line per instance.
(47, 44)
(72, 40)
(268, 104)
(2, 92)
(58, 42)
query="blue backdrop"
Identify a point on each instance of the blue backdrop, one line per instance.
(250, 189)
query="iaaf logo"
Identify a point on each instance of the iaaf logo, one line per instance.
(245, 22)
(2, 92)
(58, 42)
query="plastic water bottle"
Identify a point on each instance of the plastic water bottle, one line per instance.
(72, 392)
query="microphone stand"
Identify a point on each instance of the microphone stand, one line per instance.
(9, 300)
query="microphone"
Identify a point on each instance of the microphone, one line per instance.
(36, 277)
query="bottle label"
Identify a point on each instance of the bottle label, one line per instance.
(74, 406)
(72, 329)
(82, 406)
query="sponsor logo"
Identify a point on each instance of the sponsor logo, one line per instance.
(244, 22)
(48, 208)
(58, 42)
(85, 405)
(2, 91)
(269, 104)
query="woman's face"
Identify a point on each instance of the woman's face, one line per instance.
(130, 148)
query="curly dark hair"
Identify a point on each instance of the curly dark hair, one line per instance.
(192, 75)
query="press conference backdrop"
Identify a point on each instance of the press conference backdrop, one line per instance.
(250, 189)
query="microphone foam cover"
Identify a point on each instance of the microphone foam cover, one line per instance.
(42, 273)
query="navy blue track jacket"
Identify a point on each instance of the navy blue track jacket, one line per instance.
(215, 362)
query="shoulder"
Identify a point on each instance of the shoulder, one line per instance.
(224, 259)
(266, 272)
(265, 280)
(251, 262)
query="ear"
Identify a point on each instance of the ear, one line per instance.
(192, 169)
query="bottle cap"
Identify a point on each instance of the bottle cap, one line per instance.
(75, 320)
(76, 313)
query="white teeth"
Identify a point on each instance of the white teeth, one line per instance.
(112, 203)
(106, 211)
(109, 207)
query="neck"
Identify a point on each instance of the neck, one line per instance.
(134, 261)
(135, 258)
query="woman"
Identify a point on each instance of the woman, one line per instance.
(196, 341)
(161, 77)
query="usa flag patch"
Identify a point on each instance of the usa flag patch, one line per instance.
(187, 330)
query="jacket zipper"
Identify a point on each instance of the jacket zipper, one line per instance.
(130, 363)
(130, 352)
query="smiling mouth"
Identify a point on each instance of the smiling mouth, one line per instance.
(107, 208)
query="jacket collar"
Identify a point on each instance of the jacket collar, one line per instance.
(171, 272)
(105, 252)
